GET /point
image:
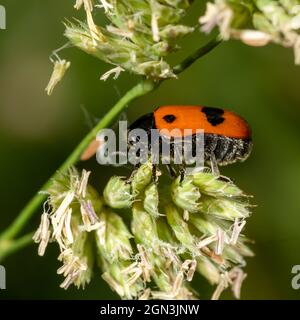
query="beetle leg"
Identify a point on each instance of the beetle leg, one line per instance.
(214, 165)
(182, 173)
(154, 173)
(171, 171)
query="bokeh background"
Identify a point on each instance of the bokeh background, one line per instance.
(37, 132)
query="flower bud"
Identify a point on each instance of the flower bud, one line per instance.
(144, 227)
(208, 269)
(141, 178)
(113, 237)
(151, 200)
(185, 194)
(215, 186)
(223, 208)
(205, 226)
(181, 229)
(117, 193)
(244, 250)
(115, 256)
(116, 276)
(231, 254)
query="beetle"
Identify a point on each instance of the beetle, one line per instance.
(227, 136)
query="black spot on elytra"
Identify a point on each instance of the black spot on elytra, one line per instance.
(169, 118)
(213, 115)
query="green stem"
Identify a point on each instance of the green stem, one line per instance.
(8, 247)
(197, 54)
(140, 89)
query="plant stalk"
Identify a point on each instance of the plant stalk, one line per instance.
(8, 247)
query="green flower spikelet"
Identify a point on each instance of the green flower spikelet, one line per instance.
(138, 38)
(153, 244)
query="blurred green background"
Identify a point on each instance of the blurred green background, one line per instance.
(38, 132)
